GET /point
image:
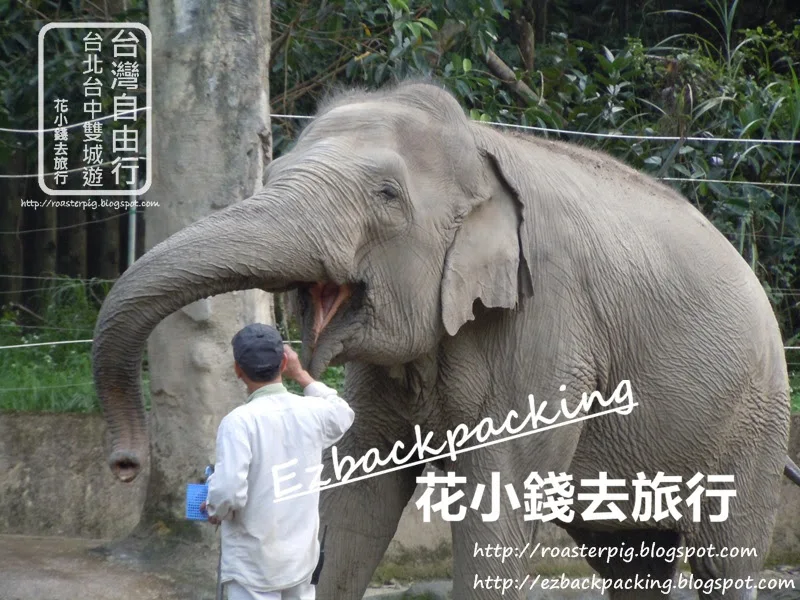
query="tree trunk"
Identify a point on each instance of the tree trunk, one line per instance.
(72, 242)
(13, 190)
(540, 20)
(140, 241)
(211, 115)
(104, 252)
(39, 250)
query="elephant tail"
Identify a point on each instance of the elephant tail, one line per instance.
(792, 471)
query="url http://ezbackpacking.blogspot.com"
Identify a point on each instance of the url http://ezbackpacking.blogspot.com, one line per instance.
(624, 553)
(634, 583)
(87, 204)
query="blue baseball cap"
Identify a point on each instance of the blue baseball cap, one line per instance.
(258, 349)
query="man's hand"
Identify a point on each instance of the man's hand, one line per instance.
(294, 370)
(212, 520)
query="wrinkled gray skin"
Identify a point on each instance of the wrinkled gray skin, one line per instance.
(585, 272)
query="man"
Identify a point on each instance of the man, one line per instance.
(269, 549)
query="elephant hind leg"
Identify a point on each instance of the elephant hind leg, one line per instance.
(728, 555)
(636, 565)
(716, 577)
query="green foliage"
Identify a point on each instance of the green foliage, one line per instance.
(693, 94)
(58, 378)
(332, 376)
(20, 23)
(366, 43)
(51, 378)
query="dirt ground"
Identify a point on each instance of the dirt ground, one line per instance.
(67, 569)
(47, 568)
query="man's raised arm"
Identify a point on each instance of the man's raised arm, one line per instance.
(334, 414)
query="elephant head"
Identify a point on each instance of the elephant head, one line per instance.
(391, 216)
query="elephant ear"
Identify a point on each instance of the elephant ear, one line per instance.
(486, 260)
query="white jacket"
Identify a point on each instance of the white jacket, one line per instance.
(268, 546)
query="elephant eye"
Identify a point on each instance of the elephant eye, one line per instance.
(388, 191)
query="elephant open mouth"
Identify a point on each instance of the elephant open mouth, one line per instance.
(327, 298)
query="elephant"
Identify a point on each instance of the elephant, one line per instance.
(459, 272)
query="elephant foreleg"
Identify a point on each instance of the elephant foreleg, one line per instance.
(362, 519)
(493, 543)
(491, 558)
(634, 565)
(362, 516)
(491, 537)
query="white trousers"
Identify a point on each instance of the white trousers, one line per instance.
(304, 591)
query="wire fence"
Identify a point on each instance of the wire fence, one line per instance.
(794, 238)
(72, 226)
(90, 382)
(35, 344)
(786, 291)
(547, 130)
(25, 291)
(78, 124)
(75, 170)
(657, 138)
(55, 278)
(641, 138)
(47, 387)
(613, 135)
(87, 383)
(539, 129)
(89, 341)
(727, 181)
(44, 327)
(69, 281)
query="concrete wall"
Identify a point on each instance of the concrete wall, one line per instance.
(54, 481)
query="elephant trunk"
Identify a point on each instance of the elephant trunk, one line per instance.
(253, 244)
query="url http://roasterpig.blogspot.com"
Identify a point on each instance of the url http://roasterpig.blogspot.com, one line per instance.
(87, 204)
(624, 553)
